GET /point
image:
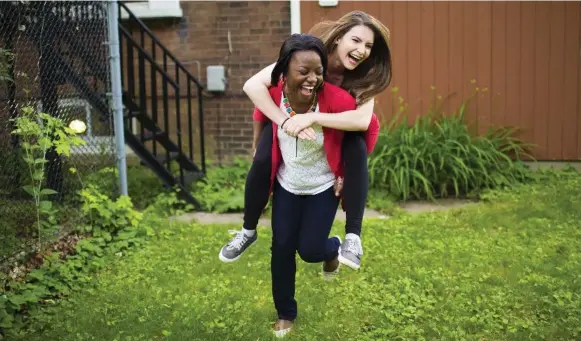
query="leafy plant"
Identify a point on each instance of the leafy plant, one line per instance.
(439, 156)
(39, 133)
(222, 190)
(382, 202)
(166, 205)
(107, 216)
(144, 186)
(110, 228)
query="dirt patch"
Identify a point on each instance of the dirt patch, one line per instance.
(429, 206)
(236, 218)
(412, 207)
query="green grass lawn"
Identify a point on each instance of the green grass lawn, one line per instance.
(507, 269)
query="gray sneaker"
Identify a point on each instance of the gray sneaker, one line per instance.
(236, 247)
(351, 251)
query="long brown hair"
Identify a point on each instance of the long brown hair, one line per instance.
(373, 75)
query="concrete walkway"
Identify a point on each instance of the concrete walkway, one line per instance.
(413, 207)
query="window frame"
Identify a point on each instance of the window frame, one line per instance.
(152, 9)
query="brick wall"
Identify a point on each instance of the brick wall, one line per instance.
(257, 30)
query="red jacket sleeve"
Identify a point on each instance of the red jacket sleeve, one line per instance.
(343, 101)
(372, 133)
(347, 102)
(257, 115)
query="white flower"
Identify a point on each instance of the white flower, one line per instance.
(78, 126)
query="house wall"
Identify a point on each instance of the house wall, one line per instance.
(257, 29)
(526, 54)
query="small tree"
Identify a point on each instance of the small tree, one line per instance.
(40, 132)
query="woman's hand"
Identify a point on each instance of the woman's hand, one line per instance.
(307, 134)
(300, 125)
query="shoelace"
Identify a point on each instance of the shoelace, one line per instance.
(353, 247)
(238, 241)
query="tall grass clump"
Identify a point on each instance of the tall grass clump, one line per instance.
(439, 156)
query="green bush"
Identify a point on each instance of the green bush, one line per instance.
(222, 190)
(439, 156)
(143, 185)
(382, 202)
(108, 228)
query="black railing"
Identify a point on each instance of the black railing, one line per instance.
(142, 53)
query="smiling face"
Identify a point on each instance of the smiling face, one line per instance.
(355, 46)
(305, 73)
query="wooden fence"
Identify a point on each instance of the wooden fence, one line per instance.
(527, 55)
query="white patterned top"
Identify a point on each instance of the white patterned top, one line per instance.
(305, 169)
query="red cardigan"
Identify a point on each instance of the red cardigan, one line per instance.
(332, 99)
(371, 134)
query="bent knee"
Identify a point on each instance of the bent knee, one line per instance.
(310, 255)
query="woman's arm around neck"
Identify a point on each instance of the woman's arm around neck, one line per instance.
(256, 88)
(351, 120)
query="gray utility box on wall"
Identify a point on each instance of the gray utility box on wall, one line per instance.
(216, 78)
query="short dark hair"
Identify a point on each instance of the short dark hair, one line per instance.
(294, 43)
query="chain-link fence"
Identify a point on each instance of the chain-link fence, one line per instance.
(53, 59)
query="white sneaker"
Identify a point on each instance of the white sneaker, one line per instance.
(351, 251)
(232, 251)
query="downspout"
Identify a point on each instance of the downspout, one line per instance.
(295, 16)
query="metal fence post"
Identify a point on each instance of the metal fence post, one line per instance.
(116, 90)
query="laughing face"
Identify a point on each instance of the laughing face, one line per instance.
(355, 46)
(305, 73)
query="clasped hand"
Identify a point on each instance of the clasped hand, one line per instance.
(300, 126)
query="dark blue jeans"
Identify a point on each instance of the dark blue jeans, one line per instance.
(355, 186)
(299, 223)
